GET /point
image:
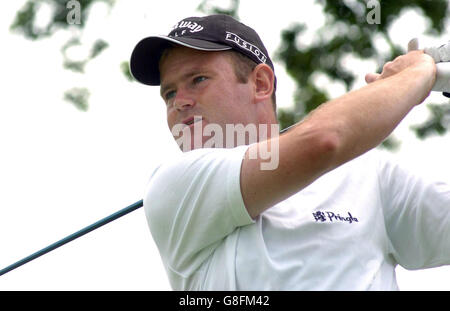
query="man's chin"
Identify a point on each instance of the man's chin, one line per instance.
(194, 136)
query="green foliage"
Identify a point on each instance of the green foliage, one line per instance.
(25, 20)
(74, 65)
(98, 46)
(232, 9)
(78, 65)
(79, 97)
(125, 68)
(352, 35)
(438, 123)
(346, 32)
(25, 24)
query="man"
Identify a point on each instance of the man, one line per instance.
(328, 216)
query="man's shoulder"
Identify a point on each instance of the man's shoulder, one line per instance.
(202, 155)
(186, 165)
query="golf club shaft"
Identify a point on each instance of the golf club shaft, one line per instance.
(85, 230)
(73, 236)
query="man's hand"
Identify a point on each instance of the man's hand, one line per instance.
(441, 56)
(417, 60)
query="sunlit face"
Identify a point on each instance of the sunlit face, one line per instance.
(199, 83)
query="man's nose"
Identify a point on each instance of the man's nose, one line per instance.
(183, 102)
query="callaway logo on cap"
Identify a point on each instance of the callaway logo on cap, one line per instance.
(210, 33)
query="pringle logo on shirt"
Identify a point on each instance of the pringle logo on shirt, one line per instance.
(332, 217)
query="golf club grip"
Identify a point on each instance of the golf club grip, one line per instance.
(441, 57)
(73, 236)
(442, 83)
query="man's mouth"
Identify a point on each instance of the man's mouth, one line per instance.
(192, 120)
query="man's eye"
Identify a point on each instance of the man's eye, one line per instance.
(169, 95)
(199, 79)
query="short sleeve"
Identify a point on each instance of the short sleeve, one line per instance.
(194, 202)
(417, 215)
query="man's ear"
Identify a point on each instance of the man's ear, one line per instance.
(263, 78)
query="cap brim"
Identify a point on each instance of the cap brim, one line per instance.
(144, 62)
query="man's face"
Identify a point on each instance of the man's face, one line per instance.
(198, 83)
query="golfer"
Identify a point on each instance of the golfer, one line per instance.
(329, 213)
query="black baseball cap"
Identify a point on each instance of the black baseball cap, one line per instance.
(217, 32)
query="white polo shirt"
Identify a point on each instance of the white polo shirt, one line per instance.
(346, 231)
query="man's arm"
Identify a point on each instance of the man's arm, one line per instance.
(339, 131)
